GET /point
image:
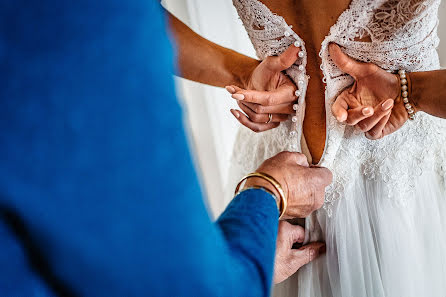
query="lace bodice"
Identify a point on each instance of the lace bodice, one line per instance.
(403, 35)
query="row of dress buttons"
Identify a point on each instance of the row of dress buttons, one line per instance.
(301, 54)
(298, 92)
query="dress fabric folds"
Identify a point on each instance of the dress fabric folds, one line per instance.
(384, 214)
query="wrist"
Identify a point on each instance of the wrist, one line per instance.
(260, 180)
(256, 182)
(414, 95)
(243, 71)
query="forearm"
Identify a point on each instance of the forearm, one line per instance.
(428, 92)
(249, 224)
(203, 61)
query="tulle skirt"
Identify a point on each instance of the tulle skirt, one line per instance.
(377, 247)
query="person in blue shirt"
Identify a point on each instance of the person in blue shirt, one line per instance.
(98, 193)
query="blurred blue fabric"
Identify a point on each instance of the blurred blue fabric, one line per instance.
(98, 194)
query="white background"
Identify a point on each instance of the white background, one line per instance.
(212, 126)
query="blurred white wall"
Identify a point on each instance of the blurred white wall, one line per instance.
(212, 127)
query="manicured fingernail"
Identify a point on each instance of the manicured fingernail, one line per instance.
(367, 111)
(238, 96)
(387, 105)
(368, 136)
(235, 113)
(230, 89)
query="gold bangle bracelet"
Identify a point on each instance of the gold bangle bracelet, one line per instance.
(274, 183)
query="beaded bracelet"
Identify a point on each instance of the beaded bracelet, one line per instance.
(405, 94)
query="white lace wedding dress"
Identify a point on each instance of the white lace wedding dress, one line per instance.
(384, 217)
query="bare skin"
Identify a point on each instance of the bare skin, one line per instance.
(218, 66)
(312, 21)
(378, 91)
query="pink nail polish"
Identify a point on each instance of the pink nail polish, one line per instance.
(238, 96)
(235, 113)
(367, 111)
(387, 105)
(230, 89)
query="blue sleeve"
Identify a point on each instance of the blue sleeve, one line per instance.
(98, 194)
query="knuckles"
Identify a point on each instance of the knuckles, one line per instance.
(256, 118)
(318, 200)
(259, 109)
(362, 127)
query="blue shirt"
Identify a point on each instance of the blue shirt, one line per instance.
(98, 194)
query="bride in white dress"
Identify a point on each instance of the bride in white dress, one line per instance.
(384, 217)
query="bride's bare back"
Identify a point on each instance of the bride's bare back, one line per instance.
(312, 21)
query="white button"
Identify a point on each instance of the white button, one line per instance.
(293, 133)
(296, 43)
(287, 34)
(301, 67)
(295, 106)
(297, 93)
(300, 82)
(301, 54)
(294, 119)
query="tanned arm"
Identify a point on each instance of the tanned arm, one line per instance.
(203, 61)
(428, 92)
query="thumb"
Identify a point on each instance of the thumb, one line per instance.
(320, 176)
(284, 60)
(307, 253)
(344, 62)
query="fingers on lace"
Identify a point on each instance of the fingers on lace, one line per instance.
(342, 104)
(344, 62)
(379, 113)
(300, 159)
(377, 131)
(339, 109)
(284, 60)
(308, 253)
(262, 117)
(255, 127)
(292, 158)
(358, 114)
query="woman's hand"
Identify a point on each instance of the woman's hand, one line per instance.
(373, 103)
(267, 91)
(289, 260)
(304, 186)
